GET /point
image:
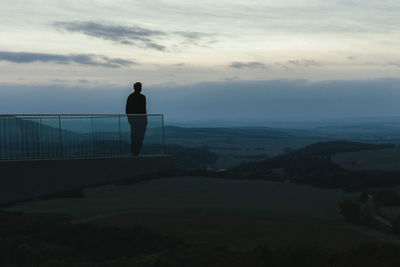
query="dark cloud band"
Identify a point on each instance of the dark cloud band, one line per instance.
(248, 65)
(81, 59)
(135, 35)
(303, 63)
(120, 34)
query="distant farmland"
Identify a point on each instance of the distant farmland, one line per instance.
(235, 145)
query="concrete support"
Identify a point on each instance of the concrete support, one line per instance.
(20, 180)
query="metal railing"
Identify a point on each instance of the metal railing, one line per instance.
(52, 136)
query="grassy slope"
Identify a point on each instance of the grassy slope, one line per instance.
(240, 214)
(194, 193)
(242, 147)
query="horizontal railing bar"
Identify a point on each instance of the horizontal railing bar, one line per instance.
(74, 115)
(83, 158)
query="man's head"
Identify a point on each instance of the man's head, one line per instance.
(137, 87)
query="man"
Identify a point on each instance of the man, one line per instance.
(136, 113)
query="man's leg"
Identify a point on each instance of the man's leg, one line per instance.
(135, 142)
(138, 130)
(141, 131)
(133, 145)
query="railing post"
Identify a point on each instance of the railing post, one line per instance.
(8, 139)
(163, 134)
(92, 134)
(1, 138)
(40, 138)
(59, 136)
(23, 138)
(120, 135)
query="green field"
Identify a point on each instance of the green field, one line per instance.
(239, 214)
(193, 193)
(233, 151)
(244, 147)
(385, 159)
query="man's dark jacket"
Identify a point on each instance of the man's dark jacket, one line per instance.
(136, 104)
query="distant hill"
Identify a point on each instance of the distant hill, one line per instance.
(313, 165)
(334, 147)
(182, 132)
(361, 131)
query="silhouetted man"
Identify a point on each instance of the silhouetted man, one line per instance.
(136, 104)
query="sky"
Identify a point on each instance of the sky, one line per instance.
(202, 59)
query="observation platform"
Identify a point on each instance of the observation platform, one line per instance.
(46, 154)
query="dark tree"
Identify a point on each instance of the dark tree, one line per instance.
(366, 214)
(364, 197)
(350, 210)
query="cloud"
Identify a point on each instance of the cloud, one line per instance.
(393, 64)
(196, 38)
(248, 65)
(133, 35)
(81, 59)
(298, 63)
(155, 46)
(303, 63)
(179, 65)
(234, 78)
(67, 82)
